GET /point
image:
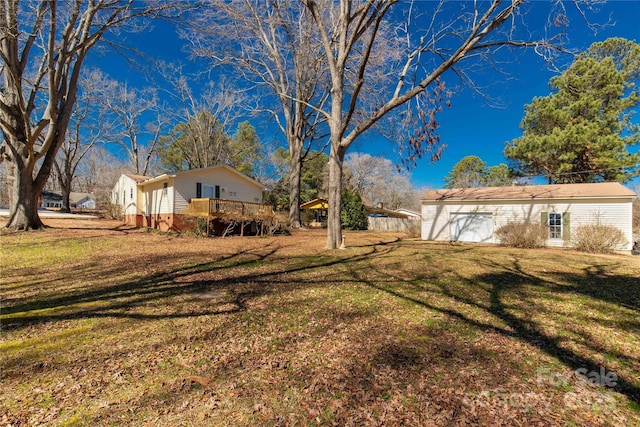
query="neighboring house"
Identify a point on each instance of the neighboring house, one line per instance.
(409, 213)
(379, 211)
(474, 214)
(161, 202)
(82, 200)
(49, 199)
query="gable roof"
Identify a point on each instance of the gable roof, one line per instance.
(375, 211)
(315, 204)
(408, 212)
(182, 173)
(137, 178)
(532, 192)
(50, 195)
(77, 196)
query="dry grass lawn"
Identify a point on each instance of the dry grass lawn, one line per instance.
(107, 325)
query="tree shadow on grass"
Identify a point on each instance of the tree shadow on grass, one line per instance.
(600, 282)
(232, 280)
(508, 281)
(528, 330)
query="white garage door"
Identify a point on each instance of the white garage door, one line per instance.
(471, 227)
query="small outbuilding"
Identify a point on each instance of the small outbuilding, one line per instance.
(474, 214)
(319, 209)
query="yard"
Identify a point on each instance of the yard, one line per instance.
(107, 325)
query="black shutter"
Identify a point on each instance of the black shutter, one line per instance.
(198, 190)
(217, 191)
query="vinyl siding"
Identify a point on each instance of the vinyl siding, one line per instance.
(614, 212)
(121, 195)
(157, 200)
(232, 187)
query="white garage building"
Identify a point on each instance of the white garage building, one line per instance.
(474, 214)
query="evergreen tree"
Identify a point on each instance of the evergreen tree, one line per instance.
(201, 142)
(471, 172)
(498, 176)
(582, 131)
(245, 149)
(352, 211)
(468, 172)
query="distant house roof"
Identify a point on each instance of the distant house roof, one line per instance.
(50, 195)
(315, 204)
(137, 178)
(177, 174)
(532, 192)
(76, 197)
(408, 212)
(381, 212)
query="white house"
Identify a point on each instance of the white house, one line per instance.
(409, 213)
(474, 214)
(82, 200)
(129, 197)
(159, 202)
(49, 199)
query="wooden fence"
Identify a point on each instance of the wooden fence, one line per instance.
(403, 225)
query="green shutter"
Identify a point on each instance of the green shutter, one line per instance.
(544, 218)
(566, 226)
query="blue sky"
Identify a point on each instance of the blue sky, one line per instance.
(472, 126)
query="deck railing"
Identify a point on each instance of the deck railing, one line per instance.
(229, 208)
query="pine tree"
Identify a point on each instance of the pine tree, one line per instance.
(582, 131)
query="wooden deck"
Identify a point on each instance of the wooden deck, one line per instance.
(230, 209)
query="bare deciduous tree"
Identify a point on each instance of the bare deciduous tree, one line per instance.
(378, 180)
(137, 121)
(203, 120)
(351, 31)
(87, 127)
(43, 46)
(274, 46)
(98, 172)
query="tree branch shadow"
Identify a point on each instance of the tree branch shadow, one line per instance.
(595, 282)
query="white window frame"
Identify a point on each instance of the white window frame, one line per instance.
(555, 225)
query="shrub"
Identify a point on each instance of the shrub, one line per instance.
(522, 235)
(112, 211)
(598, 238)
(413, 229)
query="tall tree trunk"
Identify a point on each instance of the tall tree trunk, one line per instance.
(295, 177)
(24, 195)
(334, 225)
(65, 189)
(64, 181)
